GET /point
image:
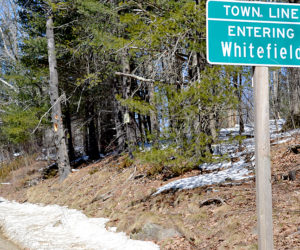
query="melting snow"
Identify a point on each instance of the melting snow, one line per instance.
(59, 228)
(236, 172)
(231, 171)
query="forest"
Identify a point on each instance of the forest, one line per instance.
(97, 77)
(110, 109)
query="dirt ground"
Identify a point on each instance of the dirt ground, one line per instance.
(122, 193)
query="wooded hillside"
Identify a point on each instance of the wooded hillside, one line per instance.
(123, 76)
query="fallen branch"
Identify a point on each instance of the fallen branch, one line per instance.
(102, 197)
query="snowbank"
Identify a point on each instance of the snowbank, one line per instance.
(54, 227)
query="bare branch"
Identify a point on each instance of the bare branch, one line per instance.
(135, 77)
(140, 78)
(62, 97)
(5, 46)
(9, 85)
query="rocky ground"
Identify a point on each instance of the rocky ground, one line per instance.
(219, 216)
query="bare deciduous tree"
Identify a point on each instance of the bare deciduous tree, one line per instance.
(10, 35)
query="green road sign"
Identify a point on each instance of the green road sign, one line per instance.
(253, 33)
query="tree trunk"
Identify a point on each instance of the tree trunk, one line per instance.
(275, 94)
(213, 126)
(120, 133)
(56, 114)
(86, 136)
(92, 142)
(106, 122)
(239, 91)
(71, 150)
(153, 115)
(231, 117)
(154, 123)
(295, 99)
(126, 87)
(294, 84)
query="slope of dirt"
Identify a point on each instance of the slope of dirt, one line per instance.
(123, 194)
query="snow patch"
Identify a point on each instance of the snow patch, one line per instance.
(17, 154)
(282, 141)
(243, 168)
(59, 228)
(215, 166)
(238, 171)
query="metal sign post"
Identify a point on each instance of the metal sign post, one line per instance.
(262, 158)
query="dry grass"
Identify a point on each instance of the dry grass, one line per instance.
(109, 189)
(20, 171)
(21, 162)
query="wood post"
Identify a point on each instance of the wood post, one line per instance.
(262, 158)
